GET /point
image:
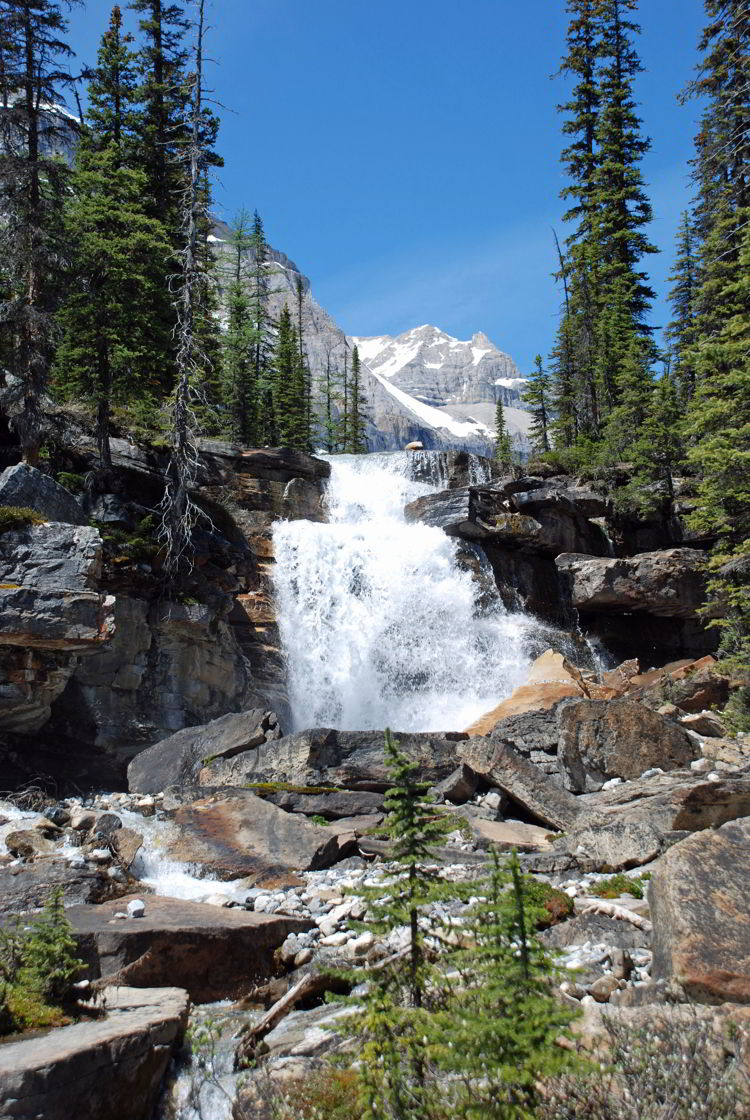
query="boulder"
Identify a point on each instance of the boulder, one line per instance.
(27, 487)
(698, 897)
(678, 802)
(603, 739)
(27, 886)
(108, 1068)
(327, 757)
(551, 679)
(704, 723)
(485, 514)
(510, 835)
(213, 952)
(179, 759)
(459, 786)
(527, 785)
(126, 843)
(52, 558)
(235, 835)
(342, 804)
(668, 583)
(613, 846)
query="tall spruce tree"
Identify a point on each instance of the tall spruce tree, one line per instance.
(537, 396)
(33, 185)
(289, 402)
(503, 446)
(718, 422)
(356, 438)
(164, 92)
(111, 342)
(259, 290)
(178, 510)
(239, 388)
(681, 331)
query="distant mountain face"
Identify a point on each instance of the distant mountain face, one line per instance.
(423, 385)
(463, 380)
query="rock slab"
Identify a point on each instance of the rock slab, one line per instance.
(212, 952)
(106, 1069)
(699, 908)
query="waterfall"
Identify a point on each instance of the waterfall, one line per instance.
(380, 624)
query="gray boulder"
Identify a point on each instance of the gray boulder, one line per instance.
(179, 759)
(522, 780)
(25, 486)
(675, 803)
(668, 583)
(613, 845)
(327, 757)
(51, 557)
(603, 739)
(110, 1068)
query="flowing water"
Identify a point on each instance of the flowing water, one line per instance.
(380, 624)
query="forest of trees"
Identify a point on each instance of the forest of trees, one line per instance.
(113, 296)
(110, 285)
(611, 398)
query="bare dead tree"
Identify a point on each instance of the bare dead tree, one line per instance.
(179, 512)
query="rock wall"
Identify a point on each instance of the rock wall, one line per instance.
(98, 657)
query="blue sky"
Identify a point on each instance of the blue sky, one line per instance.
(406, 154)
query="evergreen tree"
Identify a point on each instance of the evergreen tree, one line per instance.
(681, 332)
(356, 438)
(33, 184)
(394, 1021)
(718, 421)
(328, 424)
(111, 342)
(499, 1032)
(622, 207)
(165, 93)
(239, 391)
(658, 451)
(289, 403)
(538, 396)
(263, 337)
(503, 447)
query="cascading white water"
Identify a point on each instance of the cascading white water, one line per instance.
(379, 624)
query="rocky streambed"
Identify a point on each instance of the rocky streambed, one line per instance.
(235, 882)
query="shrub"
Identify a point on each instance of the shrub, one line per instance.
(617, 885)
(73, 482)
(327, 1094)
(38, 967)
(18, 517)
(547, 905)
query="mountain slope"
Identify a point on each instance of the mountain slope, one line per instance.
(423, 385)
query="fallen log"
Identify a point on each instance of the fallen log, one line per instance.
(612, 910)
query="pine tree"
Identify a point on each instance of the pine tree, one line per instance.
(164, 92)
(263, 337)
(328, 424)
(718, 421)
(356, 438)
(394, 1021)
(681, 332)
(178, 510)
(503, 447)
(289, 402)
(239, 390)
(111, 341)
(33, 185)
(538, 397)
(499, 1031)
(622, 206)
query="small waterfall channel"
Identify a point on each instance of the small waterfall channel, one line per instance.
(380, 623)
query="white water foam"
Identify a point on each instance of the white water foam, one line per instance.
(379, 624)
